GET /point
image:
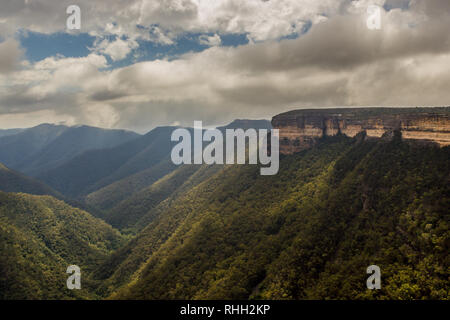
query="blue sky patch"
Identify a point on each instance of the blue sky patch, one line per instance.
(39, 46)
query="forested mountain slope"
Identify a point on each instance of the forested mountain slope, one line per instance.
(112, 194)
(39, 238)
(309, 232)
(72, 142)
(140, 209)
(13, 181)
(95, 169)
(16, 149)
(114, 197)
(225, 231)
(46, 146)
(9, 132)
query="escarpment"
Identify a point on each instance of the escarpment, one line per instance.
(301, 129)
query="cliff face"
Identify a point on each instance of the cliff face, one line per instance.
(300, 129)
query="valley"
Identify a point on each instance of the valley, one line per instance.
(141, 227)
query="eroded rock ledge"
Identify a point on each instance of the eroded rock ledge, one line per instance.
(300, 129)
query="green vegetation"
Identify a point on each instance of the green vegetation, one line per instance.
(108, 176)
(72, 142)
(40, 237)
(138, 210)
(309, 232)
(13, 181)
(226, 232)
(364, 113)
(95, 169)
(46, 146)
(111, 195)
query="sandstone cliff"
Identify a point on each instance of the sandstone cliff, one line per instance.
(300, 129)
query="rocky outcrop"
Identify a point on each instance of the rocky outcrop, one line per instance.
(300, 129)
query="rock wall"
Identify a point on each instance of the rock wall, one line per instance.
(300, 129)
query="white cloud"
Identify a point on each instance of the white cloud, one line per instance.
(100, 115)
(117, 49)
(31, 119)
(159, 36)
(262, 20)
(210, 41)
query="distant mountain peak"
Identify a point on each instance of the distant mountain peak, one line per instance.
(247, 124)
(3, 167)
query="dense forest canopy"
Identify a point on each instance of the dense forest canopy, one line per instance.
(226, 232)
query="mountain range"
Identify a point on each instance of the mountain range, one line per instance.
(46, 146)
(142, 228)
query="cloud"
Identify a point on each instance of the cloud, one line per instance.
(262, 20)
(55, 83)
(210, 41)
(10, 55)
(432, 8)
(117, 49)
(31, 119)
(338, 62)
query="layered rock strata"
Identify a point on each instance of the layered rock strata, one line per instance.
(301, 129)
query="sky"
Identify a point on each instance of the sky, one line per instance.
(138, 64)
